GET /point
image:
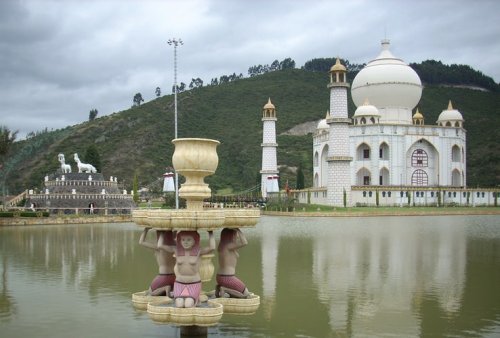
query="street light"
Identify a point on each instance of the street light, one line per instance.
(175, 42)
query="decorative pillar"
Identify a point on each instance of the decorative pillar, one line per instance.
(339, 172)
(269, 146)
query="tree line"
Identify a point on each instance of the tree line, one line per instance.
(435, 72)
(430, 72)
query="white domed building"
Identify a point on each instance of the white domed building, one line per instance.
(385, 154)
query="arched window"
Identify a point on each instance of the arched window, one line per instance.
(363, 152)
(419, 158)
(456, 180)
(419, 177)
(363, 177)
(384, 176)
(372, 120)
(362, 121)
(383, 151)
(455, 153)
(316, 159)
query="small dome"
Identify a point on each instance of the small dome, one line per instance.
(418, 115)
(269, 105)
(366, 110)
(322, 125)
(338, 67)
(450, 114)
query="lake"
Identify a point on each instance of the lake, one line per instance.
(432, 276)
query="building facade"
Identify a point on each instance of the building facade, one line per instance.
(386, 154)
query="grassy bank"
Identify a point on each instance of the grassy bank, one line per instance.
(323, 211)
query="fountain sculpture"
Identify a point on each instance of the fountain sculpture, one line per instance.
(191, 308)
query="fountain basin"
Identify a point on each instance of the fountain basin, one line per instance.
(141, 300)
(184, 219)
(140, 216)
(239, 306)
(240, 218)
(166, 312)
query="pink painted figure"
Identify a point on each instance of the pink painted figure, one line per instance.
(163, 283)
(187, 286)
(227, 283)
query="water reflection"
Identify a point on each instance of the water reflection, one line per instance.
(374, 276)
(7, 303)
(318, 277)
(378, 270)
(270, 244)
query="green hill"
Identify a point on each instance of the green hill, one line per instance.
(137, 140)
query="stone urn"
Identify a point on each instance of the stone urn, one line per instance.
(195, 158)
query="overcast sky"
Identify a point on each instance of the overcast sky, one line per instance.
(60, 59)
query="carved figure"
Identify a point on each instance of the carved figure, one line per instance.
(227, 283)
(65, 168)
(163, 283)
(187, 286)
(84, 167)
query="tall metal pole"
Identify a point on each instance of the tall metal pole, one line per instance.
(175, 42)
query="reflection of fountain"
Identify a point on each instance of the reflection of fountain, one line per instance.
(195, 159)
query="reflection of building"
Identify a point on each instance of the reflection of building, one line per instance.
(270, 244)
(371, 273)
(385, 154)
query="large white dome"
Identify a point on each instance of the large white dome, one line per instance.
(387, 82)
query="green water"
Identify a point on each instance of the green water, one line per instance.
(317, 277)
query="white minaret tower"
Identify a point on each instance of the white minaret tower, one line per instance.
(269, 172)
(339, 178)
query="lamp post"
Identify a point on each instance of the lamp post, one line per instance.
(175, 42)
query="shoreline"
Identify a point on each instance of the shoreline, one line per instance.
(54, 220)
(373, 212)
(350, 212)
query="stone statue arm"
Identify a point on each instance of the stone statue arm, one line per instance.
(142, 239)
(163, 246)
(211, 244)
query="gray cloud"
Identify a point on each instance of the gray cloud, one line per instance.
(59, 59)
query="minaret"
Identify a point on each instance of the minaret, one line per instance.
(269, 170)
(339, 173)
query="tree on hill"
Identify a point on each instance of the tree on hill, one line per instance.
(287, 63)
(92, 156)
(196, 83)
(92, 114)
(138, 99)
(7, 137)
(300, 178)
(135, 188)
(158, 92)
